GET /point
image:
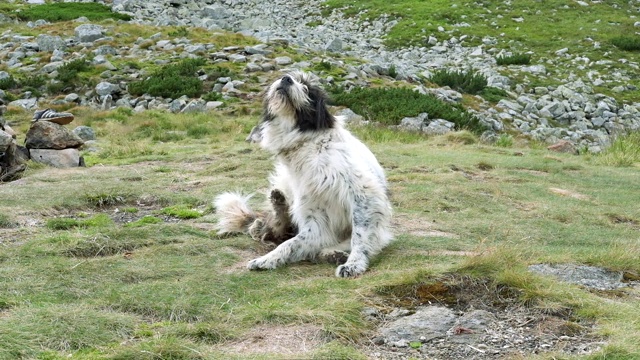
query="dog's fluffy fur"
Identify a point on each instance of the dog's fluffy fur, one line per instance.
(329, 194)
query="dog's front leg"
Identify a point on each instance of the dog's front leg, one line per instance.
(307, 244)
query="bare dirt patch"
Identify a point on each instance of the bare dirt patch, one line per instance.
(569, 193)
(281, 340)
(416, 226)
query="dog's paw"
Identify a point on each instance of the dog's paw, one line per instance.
(277, 198)
(335, 257)
(350, 270)
(261, 263)
(257, 229)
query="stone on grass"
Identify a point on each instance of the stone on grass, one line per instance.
(65, 158)
(49, 135)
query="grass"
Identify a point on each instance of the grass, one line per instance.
(463, 81)
(514, 59)
(172, 81)
(54, 12)
(390, 105)
(95, 288)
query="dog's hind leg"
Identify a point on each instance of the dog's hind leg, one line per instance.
(278, 224)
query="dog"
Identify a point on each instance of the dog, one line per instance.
(329, 197)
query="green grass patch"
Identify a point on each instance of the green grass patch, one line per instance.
(5, 221)
(181, 212)
(68, 78)
(390, 105)
(493, 94)
(625, 151)
(100, 220)
(54, 12)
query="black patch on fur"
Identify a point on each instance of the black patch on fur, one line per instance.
(316, 116)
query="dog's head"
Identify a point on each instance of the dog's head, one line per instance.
(297, 98)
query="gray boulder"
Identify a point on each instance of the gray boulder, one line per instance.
(89, 32)
(85, 133)
(106, 88)
(50, 43)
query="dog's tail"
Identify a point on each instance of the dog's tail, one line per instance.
(234, 213)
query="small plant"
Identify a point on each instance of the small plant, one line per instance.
(627, 42)
(181, 212)
(323, 66)
(466, 82)
(8, 83)
(68, 76)
(5, 222)
(103, 200)
(393, 72)
(198, 131)
(514, 59)
(504, 140)
(212, 96)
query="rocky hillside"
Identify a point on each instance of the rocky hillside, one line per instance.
(246, 43)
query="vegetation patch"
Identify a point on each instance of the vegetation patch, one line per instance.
(146, 220)
(99, 220)
(627, 42)
(464, 81)
(66, 11)
(390, 105)
(514, 59)
(104, 199)
(68, 77)
(493, 94)
(625, 151)
(172, 81)
(181, 212)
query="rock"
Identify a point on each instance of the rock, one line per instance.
(438, 127)
(65, 158)
(49, 135)
(5, 140)
(50, 43)
(215, 12)
(13, 162)
(563, 146)
(283, 60)
(237, 58)
(334, 45)
(414, 124)
(428, 323)
(106, 88)
(27, 104)
(588, 276)
(194, 106)
(349, 117)
(85, 133)
(89, 32)
(210, 105)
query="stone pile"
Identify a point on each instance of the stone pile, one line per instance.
(50, 143)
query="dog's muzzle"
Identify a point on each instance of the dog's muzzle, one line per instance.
(285, 83)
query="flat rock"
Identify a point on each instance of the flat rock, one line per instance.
(588, 276)
(427, 323)
(65, 158)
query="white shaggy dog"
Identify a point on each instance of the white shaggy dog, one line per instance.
(329, 194)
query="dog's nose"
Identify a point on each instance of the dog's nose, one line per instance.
(286, 80)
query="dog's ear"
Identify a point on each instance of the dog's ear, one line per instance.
(316, 116)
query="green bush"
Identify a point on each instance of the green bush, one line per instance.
(623, 152)
(172, 81)
(466, 82)
(68, 76)
(8, 83)
(515, 59)
(54, 12)
(493, 94)
(627, 42)
(390, 106)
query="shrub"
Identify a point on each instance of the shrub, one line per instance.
(515, 59)
(466, 82)
(8, 83)
(54, 12)
(390, 106)
(181, 212)
(181, 31)
(493, 94)
(627, 42)
(504, 140)
(172, 81)
(68, 78)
